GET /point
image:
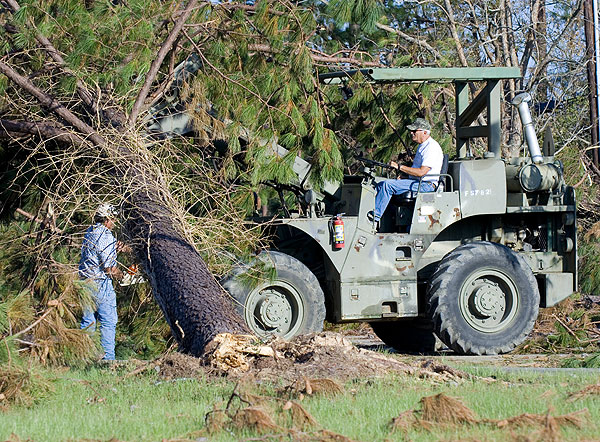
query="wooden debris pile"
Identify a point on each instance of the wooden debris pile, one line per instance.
(320, 355)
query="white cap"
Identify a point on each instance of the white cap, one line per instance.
(106, 210)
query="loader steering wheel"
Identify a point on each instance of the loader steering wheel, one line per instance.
(373, 163)
(370, 164)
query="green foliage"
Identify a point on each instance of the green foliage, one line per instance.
(589, 255)
(144, 333)
(8, 351)
(96, 41)
(589, 362)
(567, 338)
(365, 13)
(3, 317)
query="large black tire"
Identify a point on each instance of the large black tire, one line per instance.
(407, 335)
(288, 305)
(483, 299)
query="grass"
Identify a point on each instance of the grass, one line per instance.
(98, 404)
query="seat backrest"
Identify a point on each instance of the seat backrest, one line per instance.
(443, 172)
(444, 168)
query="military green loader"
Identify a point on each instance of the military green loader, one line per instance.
(471, 262)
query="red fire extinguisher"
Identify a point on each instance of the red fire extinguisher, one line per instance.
(338, 232)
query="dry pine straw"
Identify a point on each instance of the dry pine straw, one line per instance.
(276, 417)
(590, 390)
(443, 410)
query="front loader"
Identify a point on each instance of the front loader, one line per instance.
(471, 262)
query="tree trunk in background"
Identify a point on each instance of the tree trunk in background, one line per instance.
(588, 18)
(540, 28)
(509, 58)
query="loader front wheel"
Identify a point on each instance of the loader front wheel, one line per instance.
(483, 299)
(289, 304)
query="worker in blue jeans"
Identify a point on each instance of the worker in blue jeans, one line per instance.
(98, 267)
(426, 167)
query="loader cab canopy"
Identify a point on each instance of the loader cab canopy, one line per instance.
(467, 111)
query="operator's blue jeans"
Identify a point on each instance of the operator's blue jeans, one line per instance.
(105, 298)
(387, 188)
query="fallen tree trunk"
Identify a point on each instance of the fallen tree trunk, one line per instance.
(194, 304)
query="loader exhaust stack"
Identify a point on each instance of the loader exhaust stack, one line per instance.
(521, 102)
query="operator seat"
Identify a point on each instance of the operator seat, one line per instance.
(409, 197)
(403, 205)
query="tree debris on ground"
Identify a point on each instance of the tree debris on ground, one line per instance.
(277, 418)
(572, 325)
(590, 390)
(303, 363)
(441, 409)
(20, 386)
(274, 417)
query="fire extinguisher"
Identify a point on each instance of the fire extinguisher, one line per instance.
(338, 232)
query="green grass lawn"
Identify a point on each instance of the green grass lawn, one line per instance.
(98, 404)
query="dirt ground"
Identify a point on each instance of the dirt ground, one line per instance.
(341, 356)
(349, 353)
(326, 355)
(364, 337)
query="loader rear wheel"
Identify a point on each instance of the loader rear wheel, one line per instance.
(407, 335)
(483, 299)
(290, 304)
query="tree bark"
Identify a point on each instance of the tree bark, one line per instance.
(194, 304)
(454, 32)
(588, 17)
(42, 129)
(510, 58)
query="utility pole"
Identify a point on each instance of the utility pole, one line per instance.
(590, 19)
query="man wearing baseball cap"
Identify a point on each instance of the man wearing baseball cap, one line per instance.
(98, 266)
(426, 165)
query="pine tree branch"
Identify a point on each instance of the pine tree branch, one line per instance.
(267, 49)
(339, 60)
(42, 129)
(162, 53)
(237, 83)
(114, 117)
(43, 222)
(249, 8)
(410, 39)
(51, 104)
(40, 319)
